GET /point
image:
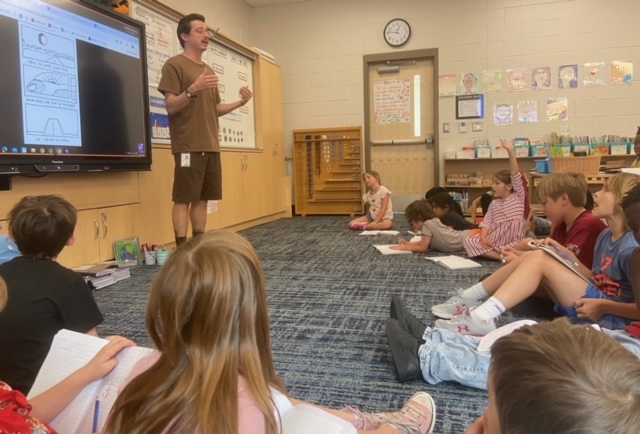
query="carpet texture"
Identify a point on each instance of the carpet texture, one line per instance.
(329, 292)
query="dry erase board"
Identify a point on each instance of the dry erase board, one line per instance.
(237, 129)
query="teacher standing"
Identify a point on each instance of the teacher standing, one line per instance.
(193, 102)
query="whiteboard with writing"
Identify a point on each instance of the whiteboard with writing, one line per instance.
(237, 129)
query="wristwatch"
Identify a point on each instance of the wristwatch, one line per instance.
(189, 94)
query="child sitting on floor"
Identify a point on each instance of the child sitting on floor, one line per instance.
(378, 198)
(445, 209)
(607, 300)
(563, 196)
(435, 235)
(504, 223)
(213, 372)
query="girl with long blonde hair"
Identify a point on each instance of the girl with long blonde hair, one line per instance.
(214, 371)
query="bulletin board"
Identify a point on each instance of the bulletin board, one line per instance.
(232, 62)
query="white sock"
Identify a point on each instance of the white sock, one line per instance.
(475, 292)
(488, 310)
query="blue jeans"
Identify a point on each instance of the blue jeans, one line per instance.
(449, 356)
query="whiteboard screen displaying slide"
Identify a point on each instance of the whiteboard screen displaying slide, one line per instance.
(237, 129)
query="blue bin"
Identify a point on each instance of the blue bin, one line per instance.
(543, 166)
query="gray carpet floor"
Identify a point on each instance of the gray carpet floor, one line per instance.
(329, 292)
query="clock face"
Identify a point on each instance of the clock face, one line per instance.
(397, 32)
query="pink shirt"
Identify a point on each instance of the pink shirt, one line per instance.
(250, 418)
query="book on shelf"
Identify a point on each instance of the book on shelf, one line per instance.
(561, 256)
(382, 232)
(69, 352)
(387, 250)
(454, 262)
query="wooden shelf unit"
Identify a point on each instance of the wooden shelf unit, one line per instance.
(328, 166)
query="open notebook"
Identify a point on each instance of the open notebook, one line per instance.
(386, 249)
(561, 257)
(385, 232)
(69, 352)
(454, 262)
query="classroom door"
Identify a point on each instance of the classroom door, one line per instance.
(400, 122)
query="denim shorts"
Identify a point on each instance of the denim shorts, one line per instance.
(611, 322)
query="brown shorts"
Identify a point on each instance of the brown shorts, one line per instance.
(202, 180)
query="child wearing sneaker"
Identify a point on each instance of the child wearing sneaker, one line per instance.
(504, 223)
(435, 234)
(378, 197)
(607, 300)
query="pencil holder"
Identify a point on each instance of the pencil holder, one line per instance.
(150, 257)
(162, 256)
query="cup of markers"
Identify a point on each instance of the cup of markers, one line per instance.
(162, 256)
(150, 252)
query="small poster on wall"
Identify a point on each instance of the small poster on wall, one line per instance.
(503, 113)
(517, 80)
(594, 74)
(392, 102)
(447, 84)
(470, 106)
(492, 81)
(470, 83)
(528, 112)
(541, 78)
(568, 76)
(557, 109)
(621, 72)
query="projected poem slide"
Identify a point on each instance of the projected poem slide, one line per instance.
(237, 129)
(49, 87)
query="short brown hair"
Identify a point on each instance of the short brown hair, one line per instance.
(564, 379)
(573, 184)
(503, 176)
(419, 211)
(184, 25)
(42, 225)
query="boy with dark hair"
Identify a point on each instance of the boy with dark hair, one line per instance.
(43, 296)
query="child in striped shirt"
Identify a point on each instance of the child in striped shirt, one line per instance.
(503, 224)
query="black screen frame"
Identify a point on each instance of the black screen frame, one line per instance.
(19, 163)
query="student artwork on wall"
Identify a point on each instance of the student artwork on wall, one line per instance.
(528, 112)
(568, 76)
(621, 72)
(594, 74)
(447, 84)
(503, 113)
(469, 83)
(470, 106)
(517, 80)
(541, 78)
(557, 109)
(492, 81)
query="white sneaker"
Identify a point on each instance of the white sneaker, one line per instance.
(465, 325)
(455, 305)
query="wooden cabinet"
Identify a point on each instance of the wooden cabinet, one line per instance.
(96, 231)
(328, 166)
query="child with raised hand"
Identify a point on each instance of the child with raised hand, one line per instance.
(378, 197)
(449, 212)
(214, 373)
(607, 300)
(504, 222)
(434, 234)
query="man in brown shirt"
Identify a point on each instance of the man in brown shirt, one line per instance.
(190, 88)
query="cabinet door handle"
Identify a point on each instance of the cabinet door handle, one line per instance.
(97, 231)
(104, 225)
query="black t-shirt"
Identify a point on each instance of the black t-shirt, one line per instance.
(457, 222)
(44, 297)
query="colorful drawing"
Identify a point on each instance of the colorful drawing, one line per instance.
(557, 109)
(568, 76)
(447, 84)
(492, 81)
(503, 113)
(517, 80)
(594, 74)
(541, 78)
(528, 112)
(621, 72)
(127, 250)
(469, 84)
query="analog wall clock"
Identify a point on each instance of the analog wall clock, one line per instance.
(397, 32)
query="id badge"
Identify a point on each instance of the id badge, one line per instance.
(185, 159)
